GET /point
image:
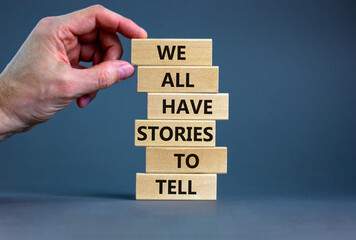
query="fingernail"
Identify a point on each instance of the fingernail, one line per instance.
(85, 101)
(126, 71)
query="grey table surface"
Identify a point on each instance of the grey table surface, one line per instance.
(28, 216)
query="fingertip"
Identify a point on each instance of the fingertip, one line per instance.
(126, 70)
(83, 101)
(143, 33)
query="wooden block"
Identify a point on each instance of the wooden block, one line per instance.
(175, 186)
(162, 52)
(186, 160)
(180, 133)
(188, 106)
(178, 79)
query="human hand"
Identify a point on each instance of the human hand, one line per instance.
(45, 76)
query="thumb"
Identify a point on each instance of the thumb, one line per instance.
(102, 75)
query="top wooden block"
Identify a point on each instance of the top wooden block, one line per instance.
(174, 52)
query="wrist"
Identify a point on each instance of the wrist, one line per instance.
(10, 122)
(5, 131)
(6, 124)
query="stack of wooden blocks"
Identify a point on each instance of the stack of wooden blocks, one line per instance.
(182, 105)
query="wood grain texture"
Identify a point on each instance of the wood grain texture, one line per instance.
(186, 160)
(197, 52)
(188, 106)
(180, 133)
(187, 79)
(176, 186)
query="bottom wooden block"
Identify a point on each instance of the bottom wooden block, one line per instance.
(175, 186)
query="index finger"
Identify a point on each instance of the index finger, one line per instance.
(86, 20)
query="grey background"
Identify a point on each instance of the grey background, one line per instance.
(289, 67)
